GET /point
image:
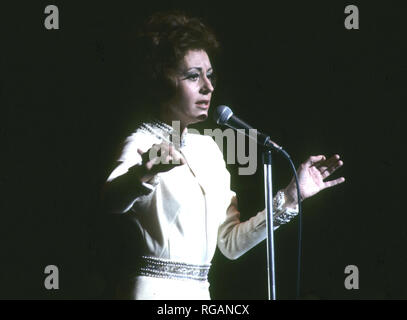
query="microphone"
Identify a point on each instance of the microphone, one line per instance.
(224, 116)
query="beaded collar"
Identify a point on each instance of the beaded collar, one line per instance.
(165, 132)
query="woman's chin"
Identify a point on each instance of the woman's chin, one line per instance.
(202, 117)
(198, 118)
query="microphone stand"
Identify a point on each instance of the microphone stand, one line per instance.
(268, 189)
(225, 116)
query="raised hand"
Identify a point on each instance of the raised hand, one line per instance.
(311, 175)
(160, 158)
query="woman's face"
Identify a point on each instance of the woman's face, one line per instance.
(193, 81)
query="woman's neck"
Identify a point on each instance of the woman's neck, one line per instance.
(176, 124)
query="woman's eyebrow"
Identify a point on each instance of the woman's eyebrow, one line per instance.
(199, 69)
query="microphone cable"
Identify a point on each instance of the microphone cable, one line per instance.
(299, 255)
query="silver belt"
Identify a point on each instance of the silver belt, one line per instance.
(162, 268)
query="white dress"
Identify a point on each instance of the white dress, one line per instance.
(182, 215)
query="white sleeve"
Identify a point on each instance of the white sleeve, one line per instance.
(129, 157)
(236, 238)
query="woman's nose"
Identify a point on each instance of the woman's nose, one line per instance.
(206, 86)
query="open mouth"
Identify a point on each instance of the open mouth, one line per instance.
(203, 104)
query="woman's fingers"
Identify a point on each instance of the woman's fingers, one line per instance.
(162, 157)
(331, 165)
(171, 155)
(314, 160)
(324, 164)
(335, 182)
(334, 167)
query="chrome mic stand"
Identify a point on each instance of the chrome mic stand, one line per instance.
(268, 189)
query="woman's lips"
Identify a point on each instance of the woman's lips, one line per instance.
(203, 104)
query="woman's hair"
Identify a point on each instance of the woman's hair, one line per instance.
(161, 44)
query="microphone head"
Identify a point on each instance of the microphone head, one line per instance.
(222, 114)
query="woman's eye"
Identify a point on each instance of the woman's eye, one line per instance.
(193, 76)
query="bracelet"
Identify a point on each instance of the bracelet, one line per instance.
(282, 215)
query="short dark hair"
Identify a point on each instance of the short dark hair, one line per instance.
(162, 43)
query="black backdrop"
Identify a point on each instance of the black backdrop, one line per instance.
(288, 67)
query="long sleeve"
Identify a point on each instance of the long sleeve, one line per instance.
(123, 187)
(236, 238)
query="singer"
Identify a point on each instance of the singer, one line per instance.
(175, 195)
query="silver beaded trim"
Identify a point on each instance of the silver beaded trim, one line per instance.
(162, 268)
(285, 215)
(162, 131)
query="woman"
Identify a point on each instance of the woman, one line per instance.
(176, 194)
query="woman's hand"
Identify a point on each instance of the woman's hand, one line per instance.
(159, 158)
(311, 176)
(120, 193)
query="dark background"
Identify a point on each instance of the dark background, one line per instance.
(289, 68)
